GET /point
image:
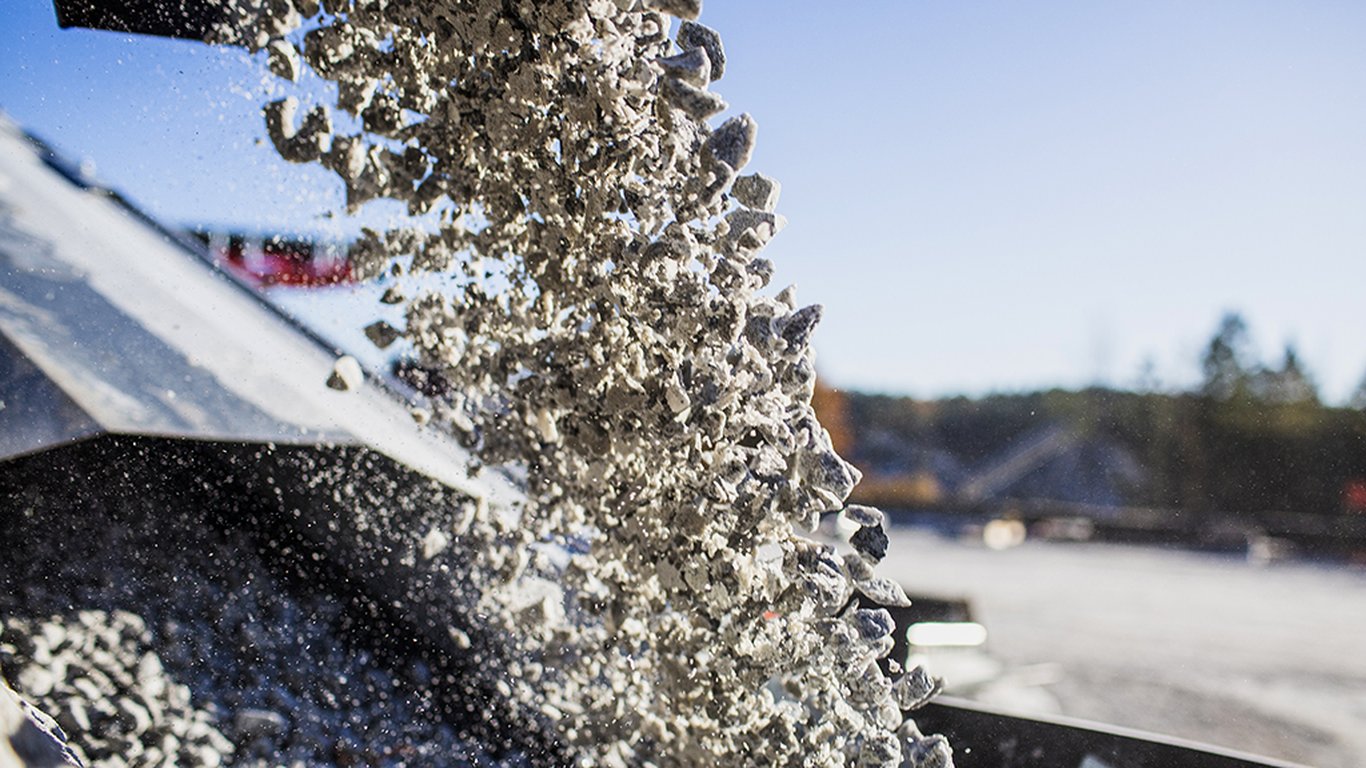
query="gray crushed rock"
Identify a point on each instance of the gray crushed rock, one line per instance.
(692, 35)
(732, 142)
(691, 66)
(870, 542)
(758, 192)
(160, 640)
(862, 516)
(346, 373)
(381, 334)
(97, 673)
(915, 688)
(684, 9)
(602, 325)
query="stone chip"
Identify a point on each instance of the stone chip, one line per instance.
(346, 374)
(693, 35)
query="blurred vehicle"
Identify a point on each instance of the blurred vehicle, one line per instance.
(267, 261)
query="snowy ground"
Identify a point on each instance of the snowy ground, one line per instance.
(1267, 659)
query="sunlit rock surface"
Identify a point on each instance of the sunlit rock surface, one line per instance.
(605, 326)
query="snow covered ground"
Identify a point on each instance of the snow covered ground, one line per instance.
(1267, 659)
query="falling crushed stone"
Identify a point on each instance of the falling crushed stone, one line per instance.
(346, 374)
(603, 325)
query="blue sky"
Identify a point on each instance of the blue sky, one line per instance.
(985, 196)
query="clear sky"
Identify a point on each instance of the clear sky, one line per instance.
(984, 196)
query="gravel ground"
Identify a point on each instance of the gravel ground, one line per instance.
(153, 639)
(1265, 659)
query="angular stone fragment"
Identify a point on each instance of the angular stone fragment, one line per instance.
(717, 182)
(762, 269)
(909, 731)
(693, 35)
(859, 569)
(697, 102)
(304, 144)
(870, 542)
(428, 194)
(368, 256)
(676, 396)
(930, 752)
(328, 49)
(381, 334)
(823, 576)
(733, 141)
(434, 543)
(383, 115)
(283, 60)
(873, 623)
(354, 94)
(883, 591)
(692, 66)
(346, 157)
(683, 9)
(757, 191)
(863, 516)
(881, 750)
(796, 328)
(914, 688)
(346, 374)
(753, 229)
(826, 471)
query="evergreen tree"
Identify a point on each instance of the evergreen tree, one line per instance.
(1290, 383)
(1225, 362)
(1358, 398)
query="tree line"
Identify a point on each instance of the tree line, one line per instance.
(1250, 437)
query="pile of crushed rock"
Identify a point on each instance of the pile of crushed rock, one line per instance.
(153, 637)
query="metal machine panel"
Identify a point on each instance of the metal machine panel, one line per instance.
(110, 325)
(189, 19)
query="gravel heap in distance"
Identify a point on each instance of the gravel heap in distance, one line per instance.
(604, 326)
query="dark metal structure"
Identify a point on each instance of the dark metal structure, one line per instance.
(188, 19)
(983, 737)
(111, 326)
